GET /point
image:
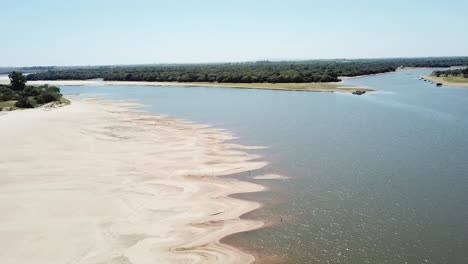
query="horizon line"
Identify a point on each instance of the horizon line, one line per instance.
(240, 62)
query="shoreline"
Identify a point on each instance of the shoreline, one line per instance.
(118, 190)
(441, 80)
(305, 87)
(343, 78)
(381, 73)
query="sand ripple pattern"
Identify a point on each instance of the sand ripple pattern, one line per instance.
(99, 182)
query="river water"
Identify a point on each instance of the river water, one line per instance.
(378, 178)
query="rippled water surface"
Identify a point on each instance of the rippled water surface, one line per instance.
(378, 178)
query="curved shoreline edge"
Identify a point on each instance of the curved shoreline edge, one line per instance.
(98, 181)
(298, 87)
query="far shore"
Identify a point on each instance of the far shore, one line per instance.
(382, 73)
(99, 182)
(307, 87)
(446, 81)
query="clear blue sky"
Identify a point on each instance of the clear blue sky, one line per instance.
(86, 32)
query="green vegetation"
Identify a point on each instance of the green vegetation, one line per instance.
(10, 104)
(449, 80)
(19, 95)
(456, 75)
(7, 70)
(64, 101)
(250, 72)
(17, 81)
(453, 77)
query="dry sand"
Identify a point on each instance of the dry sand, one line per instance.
(305, 87)
(98, 182)
(435, 79)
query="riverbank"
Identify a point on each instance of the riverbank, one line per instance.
(99, 182)
(308, 87)
(343, 78)
(448, 81)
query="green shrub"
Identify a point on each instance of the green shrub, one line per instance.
(6, 94)
(30, 91)
(30, 96)
(47, 94)
(47, 97)
(26, 102)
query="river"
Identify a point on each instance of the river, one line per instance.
(377, 178)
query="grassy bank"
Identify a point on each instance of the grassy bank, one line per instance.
(449, 80)
(10, 104)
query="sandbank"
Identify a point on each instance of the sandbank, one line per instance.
(446, 82)
(99, 182)
(306, 87)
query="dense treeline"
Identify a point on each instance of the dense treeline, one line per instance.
(25, 96)
(33, 69)
(254, 72)
(454, 72)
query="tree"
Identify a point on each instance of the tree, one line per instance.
(6, 94)
(17, 81)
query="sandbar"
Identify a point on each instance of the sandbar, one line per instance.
(100, 182)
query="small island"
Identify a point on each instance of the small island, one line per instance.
(19, 95)
(456, 77)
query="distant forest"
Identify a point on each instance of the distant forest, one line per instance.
(7, 70)
(248, 72)
(455, 72)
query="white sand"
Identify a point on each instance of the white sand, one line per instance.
(96, 182)
(270, 177)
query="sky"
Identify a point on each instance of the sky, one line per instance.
(104, 32)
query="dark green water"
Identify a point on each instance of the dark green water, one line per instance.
(379, 178)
